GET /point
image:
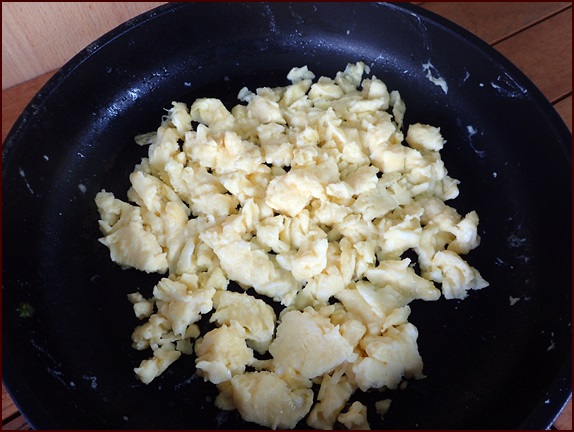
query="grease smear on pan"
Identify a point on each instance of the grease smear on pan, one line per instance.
(282, 224)
(436, 80)
(505, 86)
(471, 133)
(23, 175)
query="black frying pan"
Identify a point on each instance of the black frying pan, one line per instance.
(489, 364)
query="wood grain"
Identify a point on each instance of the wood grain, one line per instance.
(544, 54)
(564, 421)
(38, 37)
(503, 18)
(8, 407)
(564, 108)
(17, 423)
(15, 99)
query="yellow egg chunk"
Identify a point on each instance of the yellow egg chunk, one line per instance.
(309, 344)
(355, 418)
(223, 353)
(335, 391)
(266, 399)
(255, 316)
(389, 357)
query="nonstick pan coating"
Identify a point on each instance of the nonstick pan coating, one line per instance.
(488, 364)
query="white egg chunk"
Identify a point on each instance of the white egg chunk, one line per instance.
(355, 418)
(466, 233)
(151, 368)
(399, 108)
(455, 274)
(276, 148)
(390, 357)
(255, 316)
(265, 110)
(250, 266)
(129, 242)
(154, 333)
(266, 399)
(181, 305)
(289, 194)
(425, 137)
(399, 275)
(309, 344)
(376, 202)
(400, 232)
(163, 150)
(309, 260)
(142, 308)
(363, 179)
(162, 210)
(335, 391)
(270, 232)
(224, 152)
(211, 112)
(376, 308)
(223, 353)
(298, 74)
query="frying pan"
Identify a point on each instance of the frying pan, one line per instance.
(489, 364)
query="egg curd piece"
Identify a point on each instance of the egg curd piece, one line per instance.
(223, 353)
(289, 194)
(335, 391)
(155, 366)
(301, 336)
(255, 316)
(355, 418)
(455, 274)
(390, 357)
(130, 242)
(266, 399)
(180, 305)
(247, 264)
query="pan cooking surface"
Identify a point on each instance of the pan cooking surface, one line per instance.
(489, 364)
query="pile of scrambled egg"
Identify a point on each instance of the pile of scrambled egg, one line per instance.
(308, 195)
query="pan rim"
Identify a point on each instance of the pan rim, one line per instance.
(544, 415)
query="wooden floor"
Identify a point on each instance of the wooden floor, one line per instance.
(536, 37)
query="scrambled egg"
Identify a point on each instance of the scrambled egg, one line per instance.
(304, 197)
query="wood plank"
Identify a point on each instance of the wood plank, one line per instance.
(564, 421)
(8, 407)
(41, 36)
(15, 99)
(564, 108)
(544, 54)
(17, 423)
(503, 18)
